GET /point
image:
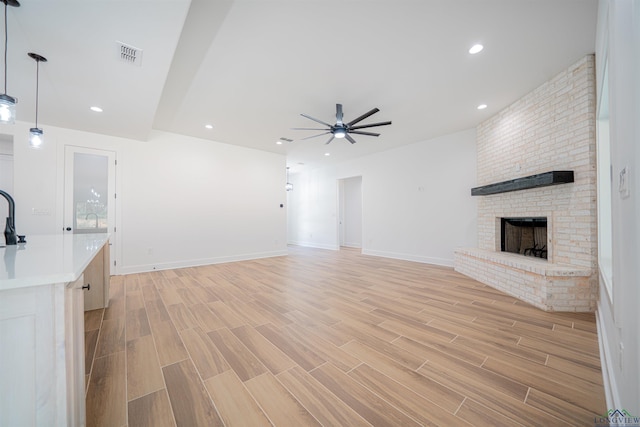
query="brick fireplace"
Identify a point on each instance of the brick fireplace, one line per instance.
(551, 128)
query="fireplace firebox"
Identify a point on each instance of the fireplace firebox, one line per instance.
(525, 236)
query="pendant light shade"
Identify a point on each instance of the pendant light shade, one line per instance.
(36, 135)
(7, 102)
(36, 138)
(7, 109)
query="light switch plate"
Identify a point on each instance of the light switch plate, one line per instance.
(623, 183)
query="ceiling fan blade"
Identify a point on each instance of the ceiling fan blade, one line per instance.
(299, 128)
(348, 138)
(331, 139)
(313, 136)
(362, 117)
(315, 120)
(358, 132)
(339, 114)
(371, 125)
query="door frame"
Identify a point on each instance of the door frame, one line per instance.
(67, 179)
(342, 226)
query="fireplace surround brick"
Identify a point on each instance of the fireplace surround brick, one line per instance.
(551, 128)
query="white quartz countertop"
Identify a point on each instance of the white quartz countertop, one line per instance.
(47, 259)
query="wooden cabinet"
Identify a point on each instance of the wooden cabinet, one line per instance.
(96, 278)
(42, 304)
(27, 356)
(74, 352)
(42, 355)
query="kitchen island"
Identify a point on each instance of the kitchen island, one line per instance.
(42, 299)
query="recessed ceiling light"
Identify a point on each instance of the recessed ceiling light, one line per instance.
(476, 48)
(482, 106)
(209, 126)
(327, 154)
(279, 142)
(96, 109)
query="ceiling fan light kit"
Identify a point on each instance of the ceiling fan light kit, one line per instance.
(343, 130)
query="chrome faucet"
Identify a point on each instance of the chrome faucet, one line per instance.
(92, 213)
(10, 236)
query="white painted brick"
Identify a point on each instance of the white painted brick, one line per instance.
(551, 128)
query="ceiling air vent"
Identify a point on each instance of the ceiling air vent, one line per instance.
(282, 138)
(129, 54)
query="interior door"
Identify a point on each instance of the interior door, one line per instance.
(350, 212)
(89, 193)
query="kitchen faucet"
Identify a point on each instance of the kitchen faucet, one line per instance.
(10, 236)
(95, 214)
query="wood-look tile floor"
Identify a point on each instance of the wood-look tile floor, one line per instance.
(334, 338)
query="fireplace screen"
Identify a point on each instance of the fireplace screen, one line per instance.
(525, 236)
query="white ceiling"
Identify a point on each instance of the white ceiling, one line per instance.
(250, 67)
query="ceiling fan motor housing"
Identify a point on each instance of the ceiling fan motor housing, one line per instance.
(341, 129)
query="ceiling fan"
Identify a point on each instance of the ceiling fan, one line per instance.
(342, 129)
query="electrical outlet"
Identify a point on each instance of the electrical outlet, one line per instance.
(40, 211)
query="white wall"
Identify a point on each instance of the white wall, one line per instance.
(618, 38)
(181, 201)
(416, 201)
(200, 202)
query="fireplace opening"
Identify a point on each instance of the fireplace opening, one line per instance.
(524, 236)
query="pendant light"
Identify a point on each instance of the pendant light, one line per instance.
(288, 186)
(36, 137)
(7, 102)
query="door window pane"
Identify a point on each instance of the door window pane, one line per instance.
(90, 201)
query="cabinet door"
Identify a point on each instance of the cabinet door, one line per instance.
(29, 380)
(94, 277)
(74, 348)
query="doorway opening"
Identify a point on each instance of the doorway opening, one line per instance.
(350, 212)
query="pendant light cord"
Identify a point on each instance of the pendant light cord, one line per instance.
(5, 46)
(37, 88)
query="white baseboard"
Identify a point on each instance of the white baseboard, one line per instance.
(144, 268)
(315, 245)
(352, 245)
(410, 257)
(606, 362)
